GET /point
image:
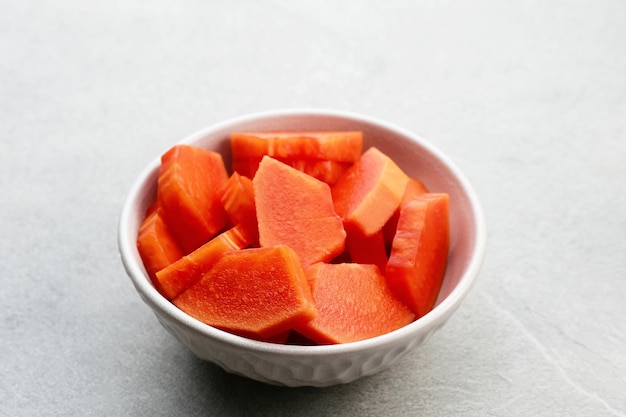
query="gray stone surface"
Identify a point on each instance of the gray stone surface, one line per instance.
(528, 98)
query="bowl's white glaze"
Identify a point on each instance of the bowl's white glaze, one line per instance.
(318, 365)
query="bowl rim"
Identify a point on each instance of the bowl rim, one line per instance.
(432, 319)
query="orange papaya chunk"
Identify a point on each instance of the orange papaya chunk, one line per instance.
(343, 146)
(255, 292)
(353, 303)
(188, 191)
(237, 197)
(248, 146)
(413, 189)
(322, 169)
(151, 209)
(419, 252)
(155, 243)
(177, 277)
(246, 167)
(370, 191)
(366, 249)
(295, 209)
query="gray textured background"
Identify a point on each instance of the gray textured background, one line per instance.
(527, 97)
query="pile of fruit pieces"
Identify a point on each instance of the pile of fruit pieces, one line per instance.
(310, 240)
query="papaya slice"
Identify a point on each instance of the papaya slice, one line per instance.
(255, 292)
(246, 167)
(419, 252)
(156, 244)
(321, 169)
(370, 191)
(367, 249)
(151, 209)
(353, 303)
(413, 189)
(295, 209)
(343, 146)
(188, 191)
(237, 197)
(323, 155)
(182, 274)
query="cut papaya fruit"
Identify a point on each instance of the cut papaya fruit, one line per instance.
(366, 249)
(413, 189)
(182, 274)
(419, 252)
(237, 197)
(323, 155)
(151, 209)
(256, 292)
(295, 209)
(353, 304)
(370, 191)
(321, 169)
(155, 243)
(246, 167)
(323, 243)
(188, 191)
(343, 146)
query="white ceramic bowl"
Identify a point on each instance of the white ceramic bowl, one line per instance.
(319, 365)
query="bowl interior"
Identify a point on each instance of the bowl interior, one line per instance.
(416, 156)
